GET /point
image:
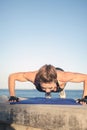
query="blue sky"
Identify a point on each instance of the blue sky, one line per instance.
(38, 32)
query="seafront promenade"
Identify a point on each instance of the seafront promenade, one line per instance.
(43, 117)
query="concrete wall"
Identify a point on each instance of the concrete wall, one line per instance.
(42, 117)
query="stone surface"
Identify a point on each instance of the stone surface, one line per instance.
(43, 117)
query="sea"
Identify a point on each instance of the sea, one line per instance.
(74, 94)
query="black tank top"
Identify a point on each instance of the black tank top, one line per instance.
(39, 88)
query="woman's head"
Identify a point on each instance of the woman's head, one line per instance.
(47, 78)
(47, 74)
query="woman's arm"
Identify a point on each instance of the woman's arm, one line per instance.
(12, 79)
(22, 77)
(76, 78)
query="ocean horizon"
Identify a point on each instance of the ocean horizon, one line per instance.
(74, 94)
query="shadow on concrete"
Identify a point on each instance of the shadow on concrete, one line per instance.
(4, 126)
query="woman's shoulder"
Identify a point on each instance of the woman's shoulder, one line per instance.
(30, 75)
(60, 75)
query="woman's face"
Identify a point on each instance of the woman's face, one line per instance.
(48, 87)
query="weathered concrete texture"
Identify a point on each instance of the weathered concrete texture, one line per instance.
(44, 117)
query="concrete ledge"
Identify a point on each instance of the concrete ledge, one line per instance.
(43, 117)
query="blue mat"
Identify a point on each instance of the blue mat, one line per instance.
(52, 101)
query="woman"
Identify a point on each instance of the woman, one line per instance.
(47, 79)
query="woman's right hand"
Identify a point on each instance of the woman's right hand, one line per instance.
(13, 99)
